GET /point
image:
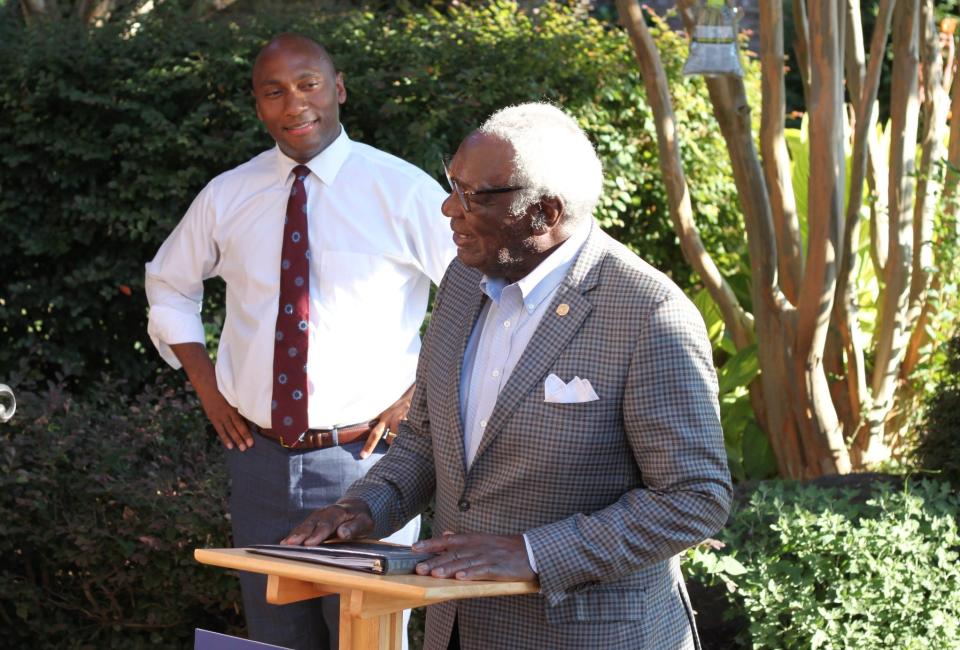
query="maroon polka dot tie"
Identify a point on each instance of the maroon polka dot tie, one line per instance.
(289, 406)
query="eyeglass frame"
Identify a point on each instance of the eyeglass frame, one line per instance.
(464, 195)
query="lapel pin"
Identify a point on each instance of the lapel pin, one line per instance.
(563, 309)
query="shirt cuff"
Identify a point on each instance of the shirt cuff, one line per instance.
(168, 327)
(530, 558)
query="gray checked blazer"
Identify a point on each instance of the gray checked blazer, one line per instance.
(608, 492)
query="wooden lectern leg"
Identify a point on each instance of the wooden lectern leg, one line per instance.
(281, 591)
(382, 632)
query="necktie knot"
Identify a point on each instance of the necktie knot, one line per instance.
(301, 172)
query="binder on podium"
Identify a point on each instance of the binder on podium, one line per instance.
(373, 557)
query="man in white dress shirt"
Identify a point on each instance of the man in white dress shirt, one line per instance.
(375, 239)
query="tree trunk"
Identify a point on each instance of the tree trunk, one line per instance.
(919, 335)
(678, 197)
(935, 107)
(846, 307)
(893, 333)
(773, 147)
(825, 207)
(793, 326)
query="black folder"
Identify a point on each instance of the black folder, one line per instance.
(373, 557)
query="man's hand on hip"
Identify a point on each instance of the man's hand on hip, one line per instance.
(230, 426)
(346, 519)
(476, 556)
(388, 423)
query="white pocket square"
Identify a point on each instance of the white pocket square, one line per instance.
(577, 391)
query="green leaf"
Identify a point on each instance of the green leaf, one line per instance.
(739, 370)
(758, 459)
(712, 317)
(731, 566)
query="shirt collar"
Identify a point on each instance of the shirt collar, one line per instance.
(546, 276)
(325, 165)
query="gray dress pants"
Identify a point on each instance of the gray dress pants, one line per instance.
(272, 490)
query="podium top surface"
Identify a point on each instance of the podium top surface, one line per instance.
(336, 579)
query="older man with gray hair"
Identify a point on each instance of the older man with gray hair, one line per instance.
(565, 416)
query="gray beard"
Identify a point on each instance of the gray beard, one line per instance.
(508, 259)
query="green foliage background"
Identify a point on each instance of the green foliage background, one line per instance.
(830, 568)
(102, 501)
(109, 133)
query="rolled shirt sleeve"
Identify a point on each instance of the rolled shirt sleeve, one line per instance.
(174, 279)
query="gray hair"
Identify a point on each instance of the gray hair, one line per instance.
(552, 157)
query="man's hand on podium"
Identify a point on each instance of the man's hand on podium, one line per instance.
(476, 556)
(346, 519)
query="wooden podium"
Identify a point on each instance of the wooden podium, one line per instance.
(371, 606)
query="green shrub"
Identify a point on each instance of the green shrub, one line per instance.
(102, 501)
(813, 567)
(939, 446)
(109, 133)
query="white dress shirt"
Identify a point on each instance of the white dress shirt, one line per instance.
(377, 239)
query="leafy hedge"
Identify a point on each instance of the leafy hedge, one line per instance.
(816, 567)
(102, 502)
(109, 133)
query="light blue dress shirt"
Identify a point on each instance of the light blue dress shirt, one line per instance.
(505, 326)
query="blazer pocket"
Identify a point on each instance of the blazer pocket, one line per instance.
(593, 408)
(593, 404)
(598, 606)
(579, 416)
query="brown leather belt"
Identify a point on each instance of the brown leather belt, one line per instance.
(324, 438)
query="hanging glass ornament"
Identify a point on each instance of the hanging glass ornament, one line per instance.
(713, 48)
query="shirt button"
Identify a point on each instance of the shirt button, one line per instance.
(496, 373)
(463, 505)
(483, 424)
(506, 323)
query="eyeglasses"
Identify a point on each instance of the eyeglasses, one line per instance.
(464, 195)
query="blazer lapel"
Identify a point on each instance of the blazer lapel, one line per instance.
(553, 334)
(465, 300)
